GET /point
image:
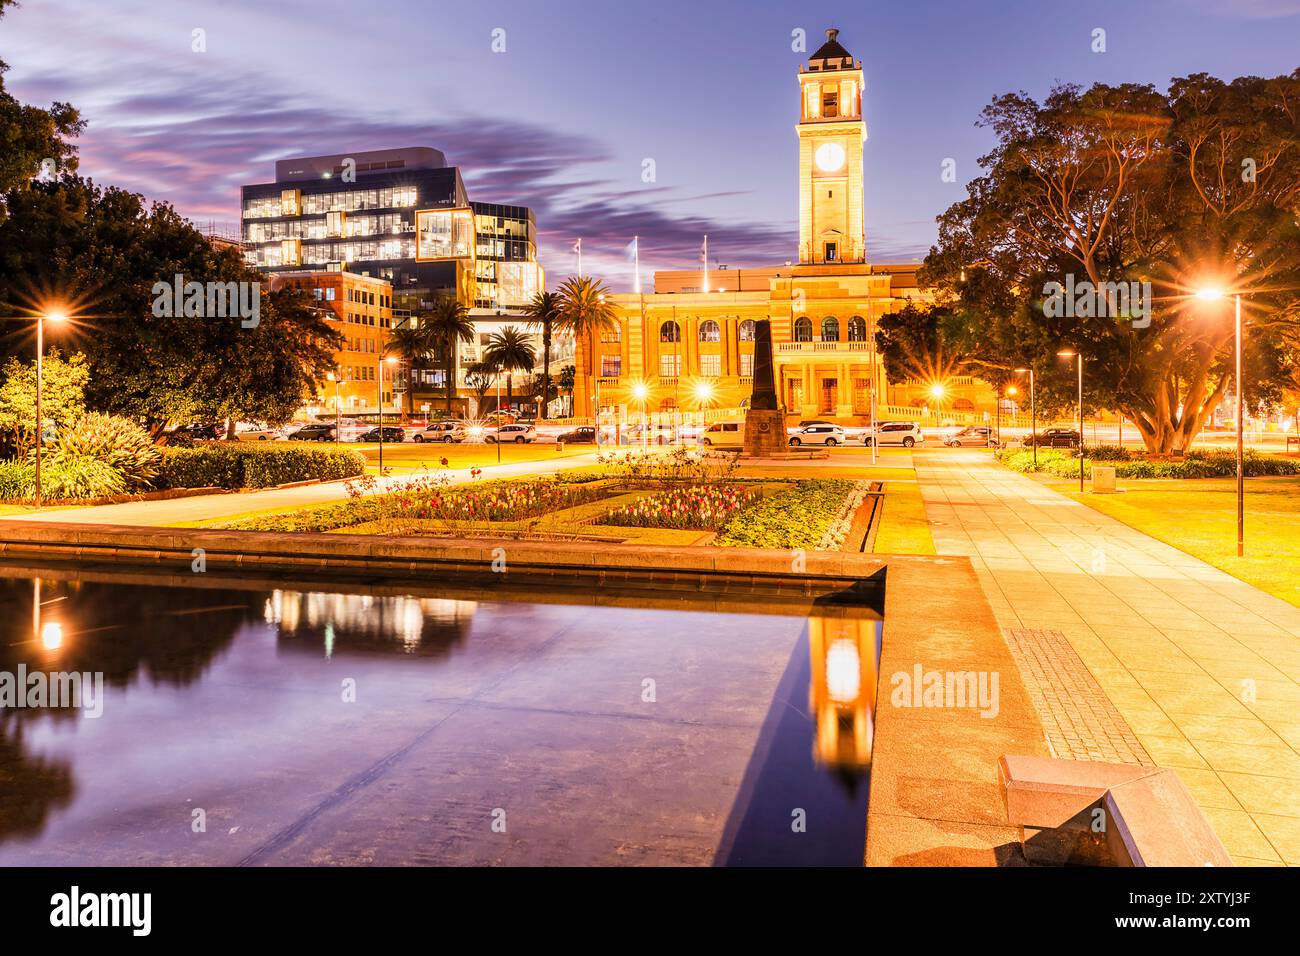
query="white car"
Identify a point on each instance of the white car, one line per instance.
(828, 435)
(253, 431)
(448, 430)
(724, 433)
(906, 434)
(519, 434)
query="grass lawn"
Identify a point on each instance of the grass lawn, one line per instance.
(904, 528)
(1200, 517)
(410, 457)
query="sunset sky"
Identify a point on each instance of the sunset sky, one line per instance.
(584, 92)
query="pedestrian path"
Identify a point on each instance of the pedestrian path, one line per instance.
(1204, 669)
(214, 507)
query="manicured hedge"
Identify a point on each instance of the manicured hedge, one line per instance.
(797, 518)
(1195, 464)
(236, 465)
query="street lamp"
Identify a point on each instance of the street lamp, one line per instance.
(54, 315)
(1213, 294)
(1033, 414)
(703, 398)
(1069, 354)
(639, 392)
(338, 421)
(379, 394)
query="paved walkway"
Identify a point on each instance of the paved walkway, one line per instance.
(213, 507)
(1204, 668)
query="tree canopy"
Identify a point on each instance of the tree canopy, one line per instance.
(98, 253)
(1175, 191)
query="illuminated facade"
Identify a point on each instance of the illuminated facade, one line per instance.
(688, 345)
(360, 308)
(402, 215)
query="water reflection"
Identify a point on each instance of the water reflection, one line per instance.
(365, 623)
(844, 653)
(804, 797)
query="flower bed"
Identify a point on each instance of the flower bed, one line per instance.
(424, 501)
(798, 518)
(838, 532)
(1195, 464)
(700, 507)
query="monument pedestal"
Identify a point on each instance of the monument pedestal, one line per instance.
(764, 433)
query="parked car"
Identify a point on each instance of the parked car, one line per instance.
(253, 431)
(653, 435)
(795, 429)
(200, 432)
(450, 430)
(724, 433)
(314, 431)
(519, 434)
(906, 434)
(980, 435)
(1054, 438)
(828, 435)
(390, 433)
(582, 435)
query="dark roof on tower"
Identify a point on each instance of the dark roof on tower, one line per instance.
(831, 55)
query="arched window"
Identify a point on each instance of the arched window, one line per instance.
(710, 331)
(803, 329)
(670, 331)
(857, 329)
(830, 329)
(746, 331)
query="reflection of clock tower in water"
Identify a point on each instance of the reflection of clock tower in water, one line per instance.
(831, 133)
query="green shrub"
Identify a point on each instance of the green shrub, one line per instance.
(1108, 453)
(797, 518)
(17, 479)
(236, 465)
(1195, 464)
(117, 442)
(72, 476)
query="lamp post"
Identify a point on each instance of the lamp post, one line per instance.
(54, 316)
(338, 421)
(1033, 414)
(1214, 294)
(639, 392)
(379, 395)
(1070, 354)
(703, 398)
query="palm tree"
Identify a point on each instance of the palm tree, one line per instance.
(544, 311)
(449, 326)
(414, 343)
(586, 312)
(508, 351)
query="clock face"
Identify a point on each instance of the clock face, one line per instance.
(829, 157)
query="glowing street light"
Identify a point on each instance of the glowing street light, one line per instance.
(1071, 354)
(1214, 294)
(51, 315)
(379, 400)
(1033, 413)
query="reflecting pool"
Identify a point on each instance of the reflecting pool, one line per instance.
(246, 722)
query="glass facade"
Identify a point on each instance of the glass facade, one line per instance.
(410, 224)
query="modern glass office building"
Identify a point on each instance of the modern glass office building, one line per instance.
(402, 215)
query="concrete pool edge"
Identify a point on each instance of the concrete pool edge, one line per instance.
(936, 794)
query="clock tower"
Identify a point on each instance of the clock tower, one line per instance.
(831, 133)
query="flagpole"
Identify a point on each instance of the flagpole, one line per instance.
(706, 262)
(636, 258)
(579, 257)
